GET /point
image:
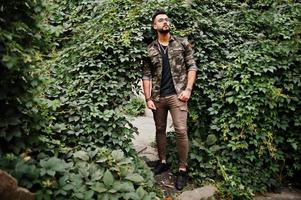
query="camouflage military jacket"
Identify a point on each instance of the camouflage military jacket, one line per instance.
(181, 61)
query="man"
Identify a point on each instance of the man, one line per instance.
(169, 73)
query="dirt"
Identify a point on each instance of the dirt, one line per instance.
(166, 181)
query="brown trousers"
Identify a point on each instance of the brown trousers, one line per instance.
(178, 111)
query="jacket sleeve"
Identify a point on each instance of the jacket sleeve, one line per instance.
(189, 58)
(146, 70)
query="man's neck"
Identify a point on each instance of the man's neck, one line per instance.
(164, 38)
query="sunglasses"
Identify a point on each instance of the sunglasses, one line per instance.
(163, 19)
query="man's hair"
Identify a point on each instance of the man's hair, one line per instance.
(156, 13)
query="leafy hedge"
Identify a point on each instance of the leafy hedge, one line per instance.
(91, 77)
(244, 122)
(21, 47)
(244, 116)
(71, 107)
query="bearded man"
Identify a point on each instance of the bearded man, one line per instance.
(169, 73)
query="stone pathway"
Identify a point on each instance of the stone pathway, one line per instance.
(145, 141)
(144, 144)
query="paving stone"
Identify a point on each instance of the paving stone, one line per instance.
(203, 193)
(286, 194)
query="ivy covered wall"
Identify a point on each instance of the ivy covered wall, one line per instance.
(244, 119)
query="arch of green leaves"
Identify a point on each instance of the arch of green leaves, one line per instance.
(68, 67)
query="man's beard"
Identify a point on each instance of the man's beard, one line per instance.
(163, 30)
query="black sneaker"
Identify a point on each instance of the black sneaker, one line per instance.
(161, 167)
(181, 180)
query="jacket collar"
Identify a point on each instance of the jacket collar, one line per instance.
(172, 38)
(156, 43)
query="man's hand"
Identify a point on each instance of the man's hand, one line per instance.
(151, 105)
(185, 95)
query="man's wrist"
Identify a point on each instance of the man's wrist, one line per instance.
(148, 99)
(189, 89)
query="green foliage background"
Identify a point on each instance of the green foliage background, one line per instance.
(68, 69)
(74, 142)
(245, 116)
(22, 46)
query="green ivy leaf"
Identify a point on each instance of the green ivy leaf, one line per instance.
(108, 178)
(52, 165)
(89, 194)
(141, 192)
(134, 177)
(123, 186)
(211, 139)
(117, 155)
(132, 195)
(82, 155)
(99, 187)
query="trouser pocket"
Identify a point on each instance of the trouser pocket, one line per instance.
(182, 105)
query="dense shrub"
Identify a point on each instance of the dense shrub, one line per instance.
(86, 174)
(93, 76)
(23, 43)
(244, 119)
(68, 106)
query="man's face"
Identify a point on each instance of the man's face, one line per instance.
(161, 23)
